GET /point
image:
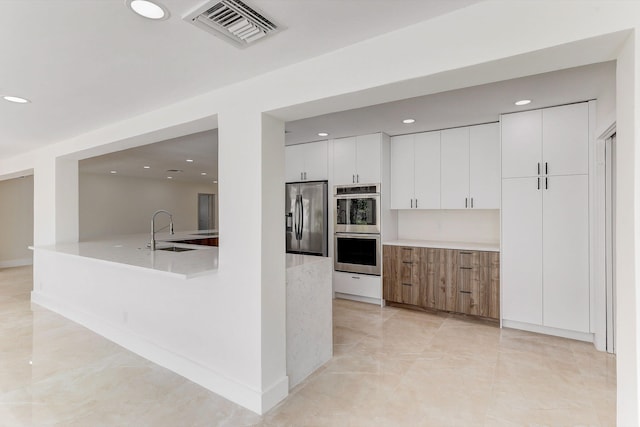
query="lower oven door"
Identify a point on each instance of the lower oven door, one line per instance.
(357, 253)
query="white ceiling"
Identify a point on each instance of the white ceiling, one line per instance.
(473, 105)
(163, 159)
(85, 64)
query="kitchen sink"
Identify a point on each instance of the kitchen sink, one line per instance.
(176, 249)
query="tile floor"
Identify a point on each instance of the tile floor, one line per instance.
(392, 367)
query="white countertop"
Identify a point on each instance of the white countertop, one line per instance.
(296, 260)
(471, 246)
(132, 250)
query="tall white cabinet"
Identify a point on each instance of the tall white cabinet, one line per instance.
(545, 218)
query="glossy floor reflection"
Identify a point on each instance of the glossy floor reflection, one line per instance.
(392, 367)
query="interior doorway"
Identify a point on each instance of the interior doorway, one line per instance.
(610, 244)
(206, 211)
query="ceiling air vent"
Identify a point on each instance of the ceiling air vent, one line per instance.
(233, 21)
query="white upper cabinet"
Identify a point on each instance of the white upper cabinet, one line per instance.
(522, 144)
(427, 170)
(454, 172)
(306, 162)
(470, 165)
(565, 136)
(484, 166)
(357, 160)
(402, 173)
(415, 171)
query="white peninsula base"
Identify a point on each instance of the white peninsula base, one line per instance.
(309, 315)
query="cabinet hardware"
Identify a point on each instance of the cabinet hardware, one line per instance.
(407, 262)
(466, 253)
(466, 268)
(305, 175)
(353, 179)
(538, 168)
(301, 176)
(407, 284)
(546, 168)
(357, 178)
(407, 249)
(465, 292)
(546, 183)
(416, 203)
(472, 202)
(465, 203)
(411, 203)
(355, 277)
(538, 183)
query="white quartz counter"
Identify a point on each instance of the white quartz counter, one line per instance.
(470, 246)
(132, 250)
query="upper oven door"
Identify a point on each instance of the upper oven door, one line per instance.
(357, 214)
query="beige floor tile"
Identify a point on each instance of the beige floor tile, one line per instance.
(391, 367)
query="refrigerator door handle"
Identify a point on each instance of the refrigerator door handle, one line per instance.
(301, 217)
(295, 218)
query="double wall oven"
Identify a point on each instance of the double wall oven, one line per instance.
(357, 229)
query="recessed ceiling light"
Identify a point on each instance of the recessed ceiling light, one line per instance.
(323, 134)
(114, 171)
(215, 182)
(203, 173)
(408, 121)
(16, 99)
(147, 167)
(523, 102)
(169, 177)
(148, 9)
(189, 160)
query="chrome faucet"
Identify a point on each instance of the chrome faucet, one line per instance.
(152, 245)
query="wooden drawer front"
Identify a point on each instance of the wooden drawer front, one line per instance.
(469, 258)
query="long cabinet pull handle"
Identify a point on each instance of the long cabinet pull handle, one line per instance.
(546, 168)
(538, 168)
(407, 284)
(466, 268)
(538, 183)
(466, 253)
(465, 202)
(416, 203)
(353, 178)
(546, 183)
(357, 178)
(465, 292)
(472, 202)
(411, 203)
(301, 176)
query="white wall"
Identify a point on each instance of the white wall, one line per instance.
(114, 205)
(482, 225)
(488, 36)
(16, 217)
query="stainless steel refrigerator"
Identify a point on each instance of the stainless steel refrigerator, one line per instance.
(306, 218)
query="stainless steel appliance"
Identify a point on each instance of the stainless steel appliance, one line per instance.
(357, 229)
(306, 217)
(357, 208)
(357, 253)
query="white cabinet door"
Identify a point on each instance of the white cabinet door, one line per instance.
(521, 144)
(454, 172)
(565, 136)
(368, 159)
(566, 252)
(315, 161)
(521, 250)
(294, 163)
(484, 166)
(402, 182)
(427, 170)
(344, 161)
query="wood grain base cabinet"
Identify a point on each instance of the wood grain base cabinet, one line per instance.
(451, 280)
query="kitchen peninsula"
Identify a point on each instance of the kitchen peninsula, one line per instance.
(172, 307)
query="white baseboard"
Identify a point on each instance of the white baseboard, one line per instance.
(376, 301)
(244, 395)
(546, 330)
(16, 263)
